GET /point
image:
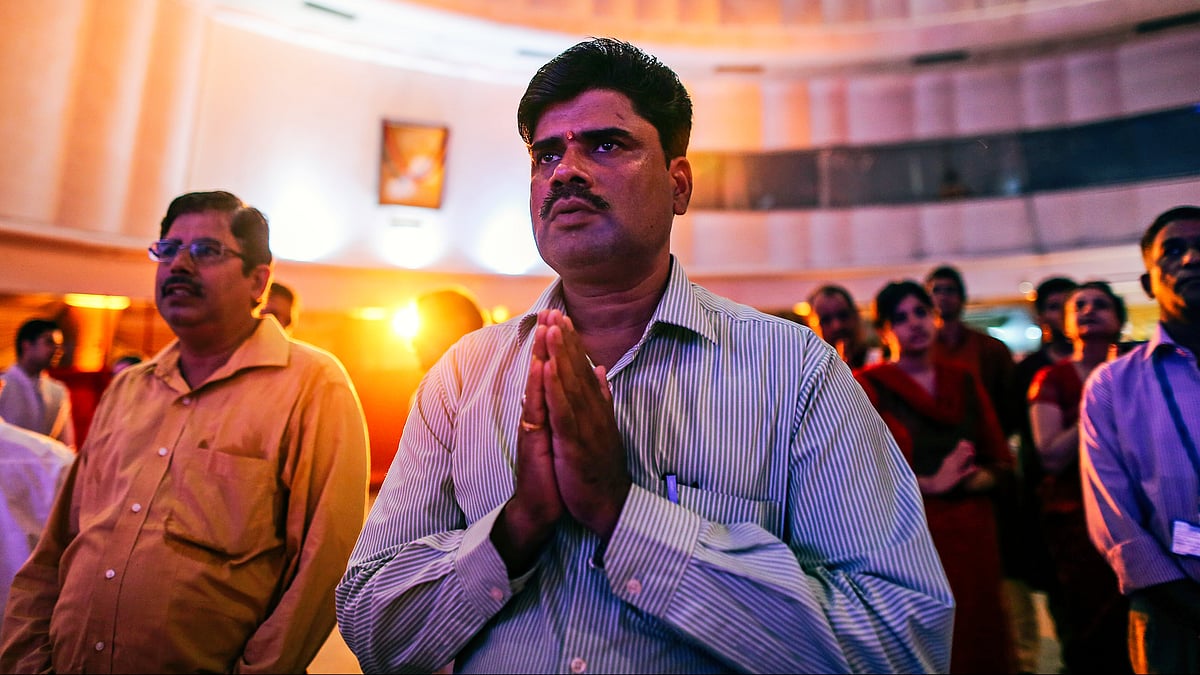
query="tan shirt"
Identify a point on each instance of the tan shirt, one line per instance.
(200, 529)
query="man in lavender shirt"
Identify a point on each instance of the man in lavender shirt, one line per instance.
(1139, 433)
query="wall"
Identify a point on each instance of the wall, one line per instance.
(118, 105)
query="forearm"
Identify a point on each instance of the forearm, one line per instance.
(414, 606)
(1060, 451)
(701, 577)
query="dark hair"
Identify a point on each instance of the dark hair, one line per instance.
(282, 291)
(1166, 218)
(128, 360)
(891, 295)
(831, 289)
(605, 63)
(248, 224)
(32, 330)
(451, 307)
(950, 273)
(1049, 287)
(1103, 287)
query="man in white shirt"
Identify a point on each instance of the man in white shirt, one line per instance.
(33, 400)
(32, 468)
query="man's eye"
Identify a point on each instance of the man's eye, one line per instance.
(1173, 249)
(547, 157)
(205, 250)
(607, 146)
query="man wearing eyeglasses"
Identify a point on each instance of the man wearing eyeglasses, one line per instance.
(219, 492)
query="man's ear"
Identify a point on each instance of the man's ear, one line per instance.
(680, 170)
(1145, 279)
(261, 278)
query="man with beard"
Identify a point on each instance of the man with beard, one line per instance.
(215, 501)
(637, 475)
(1139, 437)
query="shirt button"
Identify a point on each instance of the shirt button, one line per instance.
(187, 400)
(578, 665)
(497, 594)
(162, 452)
(633, 586)
(108, 574)
(99, 646)
(136, 507)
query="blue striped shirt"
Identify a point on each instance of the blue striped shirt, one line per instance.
(798, 543)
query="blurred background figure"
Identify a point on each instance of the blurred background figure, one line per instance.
(940, 415)
(444, 316)
(283, 304)
(1031, 559)
(834, 316)
(1093, 617)
(32, 468)
(33, 400)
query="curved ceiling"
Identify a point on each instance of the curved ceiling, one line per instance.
(787, 38)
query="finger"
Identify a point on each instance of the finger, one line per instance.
(605, 388)
(533, 403)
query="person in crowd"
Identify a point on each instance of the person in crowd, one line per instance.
(1093, 620)
(1028, 558)
(218, 494)
(283, 304)
(834, 317)
(445, 316)
(566, 495)
(32, 468)
(992, 362)
(32, 399)
(988, 357)
(124, 362)
(940, 415)
(1139, 439)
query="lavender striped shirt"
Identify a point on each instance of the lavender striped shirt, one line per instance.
(798, 543)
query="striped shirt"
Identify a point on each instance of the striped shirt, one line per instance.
(798, 542)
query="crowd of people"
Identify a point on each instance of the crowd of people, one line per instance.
(633, 475)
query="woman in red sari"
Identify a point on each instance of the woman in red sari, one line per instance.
(1095, 616)
(939, 413)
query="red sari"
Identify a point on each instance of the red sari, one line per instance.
(927, 428)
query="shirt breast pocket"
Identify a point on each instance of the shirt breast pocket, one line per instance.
(730, 509)
(225, 503)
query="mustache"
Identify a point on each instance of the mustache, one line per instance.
(567, 191)
(180, 280)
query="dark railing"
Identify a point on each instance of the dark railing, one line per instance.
(1135, 149)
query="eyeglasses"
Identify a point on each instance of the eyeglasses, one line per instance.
(203, 251)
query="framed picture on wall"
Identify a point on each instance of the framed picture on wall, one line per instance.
(412, 164)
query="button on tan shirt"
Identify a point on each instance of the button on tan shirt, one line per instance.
(200, 529)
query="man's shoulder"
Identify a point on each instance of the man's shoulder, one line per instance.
(20, 444)
(306, 356)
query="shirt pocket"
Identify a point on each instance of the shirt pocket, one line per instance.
(728, 509)
(224, 503)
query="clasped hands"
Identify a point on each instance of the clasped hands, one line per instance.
(958, 467)
(570, 458)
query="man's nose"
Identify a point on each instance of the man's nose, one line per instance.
(573, 166)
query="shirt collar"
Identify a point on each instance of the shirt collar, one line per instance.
(1161, 343)
(267, 346)
(679, 306)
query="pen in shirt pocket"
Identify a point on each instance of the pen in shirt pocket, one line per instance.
(672, 488)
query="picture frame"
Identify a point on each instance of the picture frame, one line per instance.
(412, 164)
